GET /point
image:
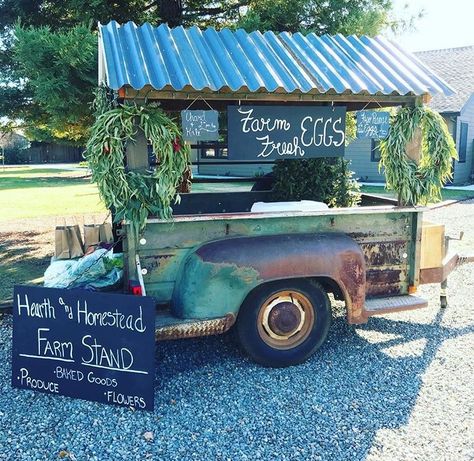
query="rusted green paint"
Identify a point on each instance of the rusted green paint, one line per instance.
(216, 278)
(189, 233)
(162, 266)
(210, 290)
(415, 249)
(169, 253)
(162, 292)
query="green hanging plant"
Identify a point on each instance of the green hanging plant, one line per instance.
(417, 183)
(136, 195)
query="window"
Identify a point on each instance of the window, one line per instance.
(463, 143)
(374, 151)
(212, 149)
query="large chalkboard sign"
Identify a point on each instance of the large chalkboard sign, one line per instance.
(94, 346)
(268, 133)
(200, 125)
(372, 124)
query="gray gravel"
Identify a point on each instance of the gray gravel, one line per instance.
(398, 388)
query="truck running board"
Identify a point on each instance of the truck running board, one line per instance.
(378, 306)
(169, 327)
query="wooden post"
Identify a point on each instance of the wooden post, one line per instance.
(413, 147)
(137, 153)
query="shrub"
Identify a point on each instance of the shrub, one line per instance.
(327, 180)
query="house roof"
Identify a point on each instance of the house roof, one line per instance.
(456, 67)
(181, 59)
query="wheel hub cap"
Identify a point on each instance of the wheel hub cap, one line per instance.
(284, 318)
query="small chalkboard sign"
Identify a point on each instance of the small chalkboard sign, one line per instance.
(200, 125)
(372, 124)
(269, 133)
(93, 346)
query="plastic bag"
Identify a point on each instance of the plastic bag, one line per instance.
(97, 270)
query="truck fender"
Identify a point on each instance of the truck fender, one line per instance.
(215, 278)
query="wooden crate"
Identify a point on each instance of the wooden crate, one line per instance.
(432, 245)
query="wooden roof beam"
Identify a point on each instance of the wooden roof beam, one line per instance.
(188, 96)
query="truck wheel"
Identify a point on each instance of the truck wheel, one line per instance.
(283, 323)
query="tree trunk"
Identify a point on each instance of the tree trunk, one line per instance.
(171, 12)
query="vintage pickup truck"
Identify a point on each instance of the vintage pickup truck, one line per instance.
(270, 273)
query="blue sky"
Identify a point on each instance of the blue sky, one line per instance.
(446, 24)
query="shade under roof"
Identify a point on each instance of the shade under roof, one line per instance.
(190, 59)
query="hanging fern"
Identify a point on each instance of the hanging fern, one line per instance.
(417, 183)
(136, 195)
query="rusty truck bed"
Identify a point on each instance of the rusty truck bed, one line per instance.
(387, 236)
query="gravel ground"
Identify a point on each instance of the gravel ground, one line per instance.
(398, 388)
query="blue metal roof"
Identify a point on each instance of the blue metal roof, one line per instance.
(181, 59)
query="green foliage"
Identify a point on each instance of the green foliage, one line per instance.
(351, 128)
(61, 75)
(103, 101)
(61, 14)
(75, 61)
(32, 68)
(326, 180)
(114, 262)
(12, 146)
(417, 183)
(319, 16)
(133, 195)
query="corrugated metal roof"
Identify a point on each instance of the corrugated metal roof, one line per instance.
(193, 59)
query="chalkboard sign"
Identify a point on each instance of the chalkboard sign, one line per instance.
(268, 133)
(200, 125)
(94, 346)
(372, 124)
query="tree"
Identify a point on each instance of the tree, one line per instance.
(48, 55)
(48, 59)
(48, 48)
(60, 77)
(321, 16)
(325, 179)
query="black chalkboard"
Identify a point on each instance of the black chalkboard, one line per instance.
(200, 125)
(268, 133)
(373, 124)
(93, 346)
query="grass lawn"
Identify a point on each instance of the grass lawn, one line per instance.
(222, 187)
(27, 192)
(33, 201)
(447, 194)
